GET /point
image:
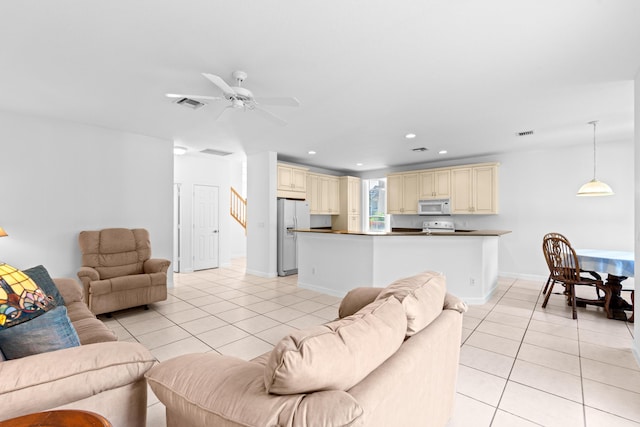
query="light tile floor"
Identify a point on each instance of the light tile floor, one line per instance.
(520, 365)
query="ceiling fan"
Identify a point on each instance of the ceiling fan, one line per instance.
(242, 98)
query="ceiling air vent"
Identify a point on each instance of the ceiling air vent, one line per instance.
(418, 149)
(525, 133)
(190, 103)
(215, 152)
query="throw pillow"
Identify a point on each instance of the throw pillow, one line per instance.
(21, 299)
(41, 276)
(422, 297)
(338, 354)
(49, 332)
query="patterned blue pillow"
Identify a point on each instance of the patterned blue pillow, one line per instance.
(41, 276)
(48, 332)
(21, 299)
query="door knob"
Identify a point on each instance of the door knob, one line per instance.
(215, 231)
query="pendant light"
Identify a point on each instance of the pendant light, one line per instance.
(595, 187)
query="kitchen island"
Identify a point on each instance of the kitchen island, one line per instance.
(334, 262)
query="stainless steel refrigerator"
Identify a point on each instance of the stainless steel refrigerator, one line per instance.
(292, 214)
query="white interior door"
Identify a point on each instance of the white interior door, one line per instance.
(205, 227)
(177, 224)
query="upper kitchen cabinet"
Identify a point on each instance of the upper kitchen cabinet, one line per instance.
(292, 181)
(323, 194)
(350, 205)
(402, 193)
(434, 184)
(474, 189)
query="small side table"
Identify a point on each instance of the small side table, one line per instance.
(61, 418)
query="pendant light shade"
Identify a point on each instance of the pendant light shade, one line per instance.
(595, 187)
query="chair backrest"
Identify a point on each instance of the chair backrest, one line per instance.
(115, 252)
(561, 258)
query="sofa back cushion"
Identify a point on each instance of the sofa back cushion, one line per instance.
(338, 354)
(422, 297)
(115, 252)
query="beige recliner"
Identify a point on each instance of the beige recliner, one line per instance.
(117, 270)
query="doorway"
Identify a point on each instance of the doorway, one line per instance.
(206, 234)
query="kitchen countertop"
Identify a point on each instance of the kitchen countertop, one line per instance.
(407, 232)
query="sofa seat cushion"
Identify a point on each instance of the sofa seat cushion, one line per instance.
(338, 354)
(91, 330)
(422, 297)
(78, 310)
(226, 391)
(125, 283)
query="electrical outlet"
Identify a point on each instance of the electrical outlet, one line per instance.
(472, 281)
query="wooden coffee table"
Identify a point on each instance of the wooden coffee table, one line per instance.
(62, 418)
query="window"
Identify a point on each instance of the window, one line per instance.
(376, 204)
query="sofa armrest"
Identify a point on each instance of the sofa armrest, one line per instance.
(70, 289)
(48, 380)
(156, 265)
(357, 298)
(452, 302)
(210, 389)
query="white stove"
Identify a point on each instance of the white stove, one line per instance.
(438, 226)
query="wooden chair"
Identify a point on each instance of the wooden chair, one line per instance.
(564, 268)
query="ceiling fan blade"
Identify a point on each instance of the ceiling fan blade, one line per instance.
(216, 80)
(278, 101)
(179, 95)
(269, 115)
(222, 112)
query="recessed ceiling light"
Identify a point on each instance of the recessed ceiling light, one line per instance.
(312, 152)
(179, 151)
(359, 164)
(442, 152)
(410, 135)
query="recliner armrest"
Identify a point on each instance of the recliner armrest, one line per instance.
(156, 265)
(357, 298)
(89, 273)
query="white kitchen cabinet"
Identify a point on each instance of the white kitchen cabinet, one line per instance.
(402, 193)
(292, 181)
(474, 189)
(434, 184)
(350, 205)
(323, 194)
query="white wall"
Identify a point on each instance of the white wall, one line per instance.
(59, 178)
(201, 169)
(636, 326)
(262, 214)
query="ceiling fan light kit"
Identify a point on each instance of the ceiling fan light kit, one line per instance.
(595, 187)
(241, 98)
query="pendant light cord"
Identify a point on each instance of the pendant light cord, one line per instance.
(594, 148)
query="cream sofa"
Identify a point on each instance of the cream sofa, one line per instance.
(390, 360)
(101, 375)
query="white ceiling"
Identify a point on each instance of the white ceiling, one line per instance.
(464, 75)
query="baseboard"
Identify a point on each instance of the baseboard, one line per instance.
(321, 289)
(532, 277)
(261, 274)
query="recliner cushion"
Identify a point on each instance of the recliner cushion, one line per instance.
(338, 354)
(125, 283)
(422, 297)
(115, 252)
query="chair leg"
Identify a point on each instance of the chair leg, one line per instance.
(607, 301)
(572, 292)
(544, 291)
(633, 306)
(547, 294)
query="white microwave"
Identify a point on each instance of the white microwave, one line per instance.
(434, 207)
